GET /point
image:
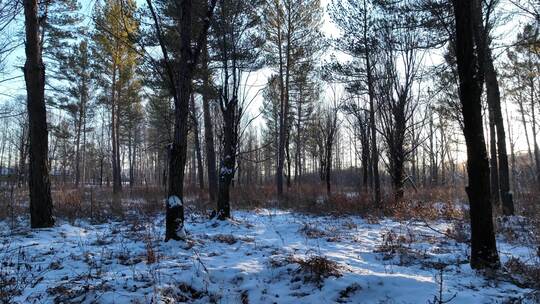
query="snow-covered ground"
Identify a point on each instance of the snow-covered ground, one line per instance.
(259, 257)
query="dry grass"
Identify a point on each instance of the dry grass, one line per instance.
(424, 210)
(311, 231)
(16, 272)
(528, 205)
(225, 238)
(13, 203)
(317, 268)
(437, 194)
(99, 204)
(526, 275)
(68, 203)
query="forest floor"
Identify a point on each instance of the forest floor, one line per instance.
(260, 256)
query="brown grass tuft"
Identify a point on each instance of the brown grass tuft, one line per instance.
(317, 268)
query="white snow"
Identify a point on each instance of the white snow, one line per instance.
(174, 201)
(226, 171)
(249, 258)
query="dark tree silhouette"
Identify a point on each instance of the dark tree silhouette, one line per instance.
(34, 75)
(483, 247)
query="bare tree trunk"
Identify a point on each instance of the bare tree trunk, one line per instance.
(483, 247)
(512, 150)
(373, 126)
(297, 157)
(493, 163)
(200, 170)
(83, 177)
(131, 157)
(117, 184)
(524, 122)
(174, 220)
(328, 168)
(180, 87)
(433, 170)
(23, 153)
(34, 74)
(365, 154)
(228, 161)
(499, 162)
(282, 119)
(534, 135)
(288, 156)
(208, 128)
(77, 149)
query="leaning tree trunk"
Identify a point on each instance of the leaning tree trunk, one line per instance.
(483, 247)
(34, 74)
(499, 155)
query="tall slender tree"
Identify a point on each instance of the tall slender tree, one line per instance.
(357, 21)
(292, 29)
(483, 247)
(34, 74)
(499, 157)
(237, 43)
(115, 27)
(180, 76)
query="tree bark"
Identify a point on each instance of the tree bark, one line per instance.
(41, 205)
(200, 170)
(180, 87)
(228, 162)
(178, 155)
(282, 119)
(535, 135)
(373, 126)
(493, 162)
(483, 247)
(499, 155)
(208, 128)
(117, 184)
(77, 148)
(365, 154)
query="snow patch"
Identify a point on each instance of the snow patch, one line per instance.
(174, 201)
(262, 263)
(226, 171)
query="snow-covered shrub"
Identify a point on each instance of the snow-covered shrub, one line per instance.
(316, 268)
(527, 275)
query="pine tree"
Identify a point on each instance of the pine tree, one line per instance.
(292, 30)
(76, 75)
(34, 75)
(357, 21)
(483, 247)
(180, 76)
(116, 54)
(236, 43)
